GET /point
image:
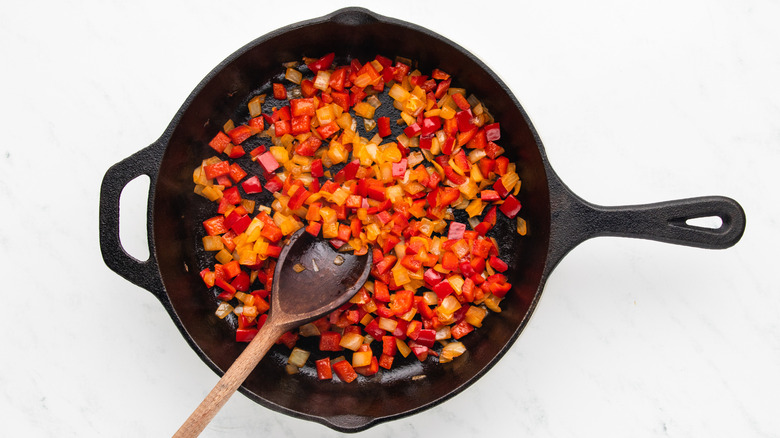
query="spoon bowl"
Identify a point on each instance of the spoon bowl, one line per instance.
(311, 279)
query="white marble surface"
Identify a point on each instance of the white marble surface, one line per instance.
(635, 102)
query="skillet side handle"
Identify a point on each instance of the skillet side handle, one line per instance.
(349, 423)
(143, 273)
(668, 222)
(574, 220)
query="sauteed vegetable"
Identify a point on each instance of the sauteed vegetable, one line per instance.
(373, 156)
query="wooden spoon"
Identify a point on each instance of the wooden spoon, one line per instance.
(329, 280)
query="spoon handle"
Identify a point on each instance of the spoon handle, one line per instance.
(231, 380)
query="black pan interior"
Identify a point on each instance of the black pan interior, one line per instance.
(178, 214)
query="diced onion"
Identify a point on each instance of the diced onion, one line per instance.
(293, 75)
(451, 351)
(224, 309)
(522, 226)
(309, 329)
(351, 341)
(298, 357)
(361, 358)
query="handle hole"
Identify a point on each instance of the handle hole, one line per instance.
(132, 217)
(710, 222)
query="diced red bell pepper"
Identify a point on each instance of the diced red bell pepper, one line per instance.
(411, 263)
(510, 207)
(413, 329)
(386, 361)
(323, 63)
(252, 185)
(344, 371)
(430, 125)
(425, 311)
(478, 141)
(236, 172)
(224, 180)
(274, 184)
(453, 176)
(493, 150)
(215, 225)
(308, 147)
(372, 328)
(324, 371)
(498, 264)
(399, 169)
(426, 337)
(288, 339)
(381, 292)
(338, 78)
(257, 124)
(499, 188)
(241, 223)
(245, 334)
(307, 88)
(502, 164)
(465, 120)
(432, 277)
(465, 137)
(217, 169)
(282, 127)
(461, 101)
(341, 99)
(314, 228)
(328, 129)
(481, 248)
(329, 341)
(390, 242)
(466, 268)
(298, 198)
(268, 162)
(273, 251)
(279, 91)
(413, 130)
(240, 133)
(231, 195)
(303, 107)
(220, 142)
(461, 329)
(237, 152)
(271, 232)
(449, 261)
(370, 369)
(493, 131)
(241, 282)
(383, 126)
(456, 230)
(208, 277)
(389, 345)
(489, 195)
(402, 301)
(420, 351)
(443, 288)
(316, 168)
(347, 172)
(298, 125)
(254, 153)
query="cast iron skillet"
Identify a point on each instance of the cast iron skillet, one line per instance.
(558, 221)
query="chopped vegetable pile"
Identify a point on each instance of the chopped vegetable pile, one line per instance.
(434, 279)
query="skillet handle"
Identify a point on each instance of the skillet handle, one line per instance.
(143, 273)
(575, 220)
